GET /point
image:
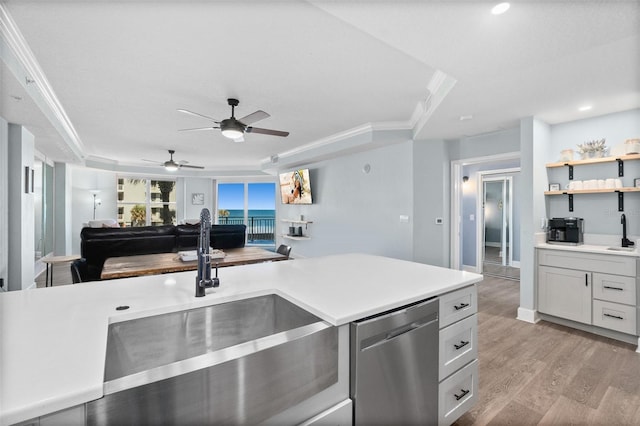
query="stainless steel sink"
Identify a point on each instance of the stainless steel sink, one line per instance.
(621, 248)
(237, 362)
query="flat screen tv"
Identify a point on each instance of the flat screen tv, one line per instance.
(295, 187)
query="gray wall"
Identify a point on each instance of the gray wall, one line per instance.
(600, 211)
(431, 183)
(354, 211)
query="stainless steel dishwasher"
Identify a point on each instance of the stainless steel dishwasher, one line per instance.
(394, 366)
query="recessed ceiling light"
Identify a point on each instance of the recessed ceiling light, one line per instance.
(585, 108)
(466, 117)
(500, 8)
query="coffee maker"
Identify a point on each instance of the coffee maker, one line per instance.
(566, 230)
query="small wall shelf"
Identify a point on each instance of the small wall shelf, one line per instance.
(297, 222)
(304, 222)
(295, 237)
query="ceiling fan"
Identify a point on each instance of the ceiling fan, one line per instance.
(172, 166)
(235, 128)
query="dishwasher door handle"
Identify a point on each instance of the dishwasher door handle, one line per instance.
(397, 332)
(401, 330)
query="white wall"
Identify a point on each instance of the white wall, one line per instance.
(20, 154)
(185, 187)
(353, 211)
(535, 141)
(83, 181)
(4, 203)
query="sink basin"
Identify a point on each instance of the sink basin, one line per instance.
(236, 362)
(622, 248)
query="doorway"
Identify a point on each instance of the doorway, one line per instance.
(496, 226)
(497, 213)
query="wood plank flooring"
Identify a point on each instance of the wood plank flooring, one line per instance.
(547, 374)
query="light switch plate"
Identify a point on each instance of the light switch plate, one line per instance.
(404, 218)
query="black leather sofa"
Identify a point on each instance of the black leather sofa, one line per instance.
(98, 244)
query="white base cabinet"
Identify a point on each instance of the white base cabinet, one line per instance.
(565, 293)
(458, 354)
(599, 290)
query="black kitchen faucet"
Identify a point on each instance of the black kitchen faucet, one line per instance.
(625, 241)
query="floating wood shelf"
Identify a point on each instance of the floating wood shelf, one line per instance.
(591, 191)
(594, 160)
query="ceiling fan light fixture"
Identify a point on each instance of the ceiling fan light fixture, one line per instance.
(232, 133)
(232, 128)
(170, 166)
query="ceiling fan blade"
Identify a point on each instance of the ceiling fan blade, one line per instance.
(191, 167)
(266, 131)
(152, 161)
(197, 129)
(253, 117)
(186, 111)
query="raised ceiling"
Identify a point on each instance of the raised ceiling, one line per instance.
(322, 69)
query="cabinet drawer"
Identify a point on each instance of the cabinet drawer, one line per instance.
(614, 288)
(457, 305)
(605, 263)
(458, 345)
(458, 394)
(615, 316)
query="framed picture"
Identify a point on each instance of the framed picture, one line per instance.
(197, 198)
(636, 182)
(554, 187)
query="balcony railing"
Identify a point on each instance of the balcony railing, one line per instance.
(258, 228)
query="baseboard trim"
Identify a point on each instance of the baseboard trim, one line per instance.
(528, 315)
(515, 264)
(612, 334)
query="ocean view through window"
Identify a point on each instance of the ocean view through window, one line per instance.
(259, 214)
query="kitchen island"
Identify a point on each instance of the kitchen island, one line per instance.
(53, 340)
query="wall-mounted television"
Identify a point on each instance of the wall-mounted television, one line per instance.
(295, 187)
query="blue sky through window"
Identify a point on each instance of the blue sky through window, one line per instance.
(262, 196)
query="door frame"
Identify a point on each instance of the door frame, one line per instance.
(456, 200)
(502, 175)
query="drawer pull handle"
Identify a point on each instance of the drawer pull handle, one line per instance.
(586, 280)
(613, 288)
(613, 316)
(462, 395)
(460, 306)
(461, 345)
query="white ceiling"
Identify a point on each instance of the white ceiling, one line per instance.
(320, 68)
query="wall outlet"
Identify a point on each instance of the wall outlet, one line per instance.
(472, 217)
(439, 221)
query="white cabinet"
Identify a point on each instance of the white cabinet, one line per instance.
(458, 354)
(565, 293)
(599, 290)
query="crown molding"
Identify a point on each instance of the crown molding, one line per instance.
(16, 53)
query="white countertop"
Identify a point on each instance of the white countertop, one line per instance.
(589, 248)
(53, 340)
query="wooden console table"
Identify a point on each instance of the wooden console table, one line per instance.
(162, 263)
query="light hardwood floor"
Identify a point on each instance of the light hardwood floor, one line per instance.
(548, 374)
